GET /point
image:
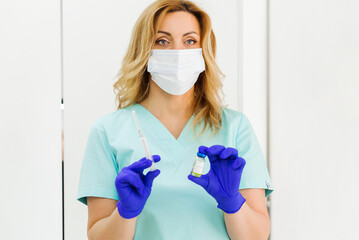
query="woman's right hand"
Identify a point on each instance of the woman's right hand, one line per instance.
(133, 187)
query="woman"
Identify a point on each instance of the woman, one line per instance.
(170, 78)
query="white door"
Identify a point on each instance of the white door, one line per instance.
(30, 120)
(314, 119)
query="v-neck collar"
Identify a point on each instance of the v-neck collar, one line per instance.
(151, 119)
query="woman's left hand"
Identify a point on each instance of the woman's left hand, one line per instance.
(223, 179)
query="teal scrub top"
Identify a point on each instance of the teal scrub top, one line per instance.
(177, 208)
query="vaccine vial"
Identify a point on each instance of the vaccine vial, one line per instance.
(198, 165)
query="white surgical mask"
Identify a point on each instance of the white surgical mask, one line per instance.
(176, 71)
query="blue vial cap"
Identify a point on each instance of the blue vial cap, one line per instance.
(202, 155)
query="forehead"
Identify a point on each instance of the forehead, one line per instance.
(179, 22)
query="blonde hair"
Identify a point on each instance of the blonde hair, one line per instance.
(133, 83)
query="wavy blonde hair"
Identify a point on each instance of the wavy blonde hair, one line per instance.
(133, 80)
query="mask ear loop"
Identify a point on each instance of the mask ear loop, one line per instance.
(146, 92)
(196, 85)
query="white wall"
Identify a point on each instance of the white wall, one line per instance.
(314, 116)
(313, 105)
(30, 120)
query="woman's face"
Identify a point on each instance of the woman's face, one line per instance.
(178, 30)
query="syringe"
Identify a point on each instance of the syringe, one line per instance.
(144, 142)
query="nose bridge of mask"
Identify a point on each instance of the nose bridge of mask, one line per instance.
(176, 57)
(172, 61)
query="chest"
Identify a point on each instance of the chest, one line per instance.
(174, 126)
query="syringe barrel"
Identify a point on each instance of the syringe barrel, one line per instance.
(147, 152)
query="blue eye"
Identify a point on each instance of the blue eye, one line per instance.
(191, 41)
(161, 42)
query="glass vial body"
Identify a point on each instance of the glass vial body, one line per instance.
(198, 165)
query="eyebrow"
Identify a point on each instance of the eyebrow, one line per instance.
(169, 34)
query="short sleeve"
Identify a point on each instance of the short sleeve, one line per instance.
(255, 173)
(99, 168)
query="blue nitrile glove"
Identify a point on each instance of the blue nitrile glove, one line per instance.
(133, 187)
(223, 179)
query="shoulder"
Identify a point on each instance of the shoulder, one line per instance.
(231, 114)
(235, 121)
(114, 119)
(233, 117)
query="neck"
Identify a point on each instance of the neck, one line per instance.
(164, 105)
